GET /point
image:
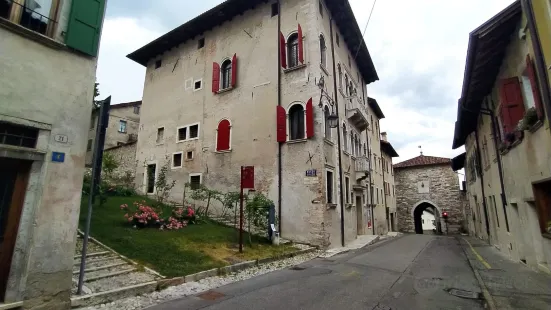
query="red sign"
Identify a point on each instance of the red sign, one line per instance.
(247, 177)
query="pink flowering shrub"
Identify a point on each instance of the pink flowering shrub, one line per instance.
(142, 216)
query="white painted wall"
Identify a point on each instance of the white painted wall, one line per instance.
(428, 221)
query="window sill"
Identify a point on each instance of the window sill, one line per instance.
(187, 140)
(32, 35)
(159, 143)
(327, 141)
(175, 168)
(297, 141)
(324, 69)
(294, 68)
(331, 206)
(223, 152)
(225, 90)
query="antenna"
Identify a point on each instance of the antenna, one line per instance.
(421, 150)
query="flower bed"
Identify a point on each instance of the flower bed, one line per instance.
(141, 215)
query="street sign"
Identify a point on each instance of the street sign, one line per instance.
(247, 177)
(58, 157)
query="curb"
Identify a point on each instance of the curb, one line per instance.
(112, 295)
(348, 250)
(485, 293)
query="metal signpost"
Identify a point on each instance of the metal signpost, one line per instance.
(247, 181)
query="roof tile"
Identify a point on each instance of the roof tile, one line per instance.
(423, 160)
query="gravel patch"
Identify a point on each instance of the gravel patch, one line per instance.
(193, 288)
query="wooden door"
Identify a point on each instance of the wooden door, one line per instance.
(13, 185)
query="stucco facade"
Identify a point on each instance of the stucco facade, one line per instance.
(47, 89)
(187, 126)
(508, 168)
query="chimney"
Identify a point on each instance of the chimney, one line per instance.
(383, 136)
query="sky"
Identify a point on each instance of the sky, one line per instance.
(418, 47)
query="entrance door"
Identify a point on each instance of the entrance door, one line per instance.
(13, 185)
(359, 215)
(392, 227)
(151, 172)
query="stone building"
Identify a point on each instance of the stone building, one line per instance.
(504, 125)
(427, 182)
(125, 155)
(384, 212)
(240, 86)
(49, 56)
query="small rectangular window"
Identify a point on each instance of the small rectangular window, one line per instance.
(338, 39)
(89, 146)
(160, 135)
(122, 126)
(347, 188)
(182, 134)
(195, 181)
(193, 131)
(198, 85)
(189, 155)
(18, 135)
(321, 8)
(93, 122)
(177, 160)
(158, 63)
(275, 9)
(201, 43)
(329, 186)
(137, 110)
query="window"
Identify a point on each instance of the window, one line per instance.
(326, 114)
(182, 133)
(194, 131)
(36, 15)
(18, 135)
(275, 9)
(527, 93)
(195, 180)
(323, 51)
(347, 188)
(377, 193)
(201, 43)
(158, 63)
(189, 155)
(223, 136)
(136, 110)
(512, 105)
(198, 85)
(349, 62)
(187, 132)
(226, 74)
(296, 122)
(340, 75)
(321, 8)
(292, 50)
(344, 139)
(122, 126)
(177, 160)
(338, 39)
(329, 185)
(160, 135)
(89, 146)
(346, 84)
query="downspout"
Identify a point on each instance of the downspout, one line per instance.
(280, 144)
(482, 185)
(538, 54)
(338, 128)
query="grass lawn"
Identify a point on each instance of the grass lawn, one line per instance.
(173, 253)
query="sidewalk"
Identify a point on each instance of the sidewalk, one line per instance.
(360, 242)
(506, 284)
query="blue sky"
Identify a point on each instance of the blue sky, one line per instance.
(418, 47)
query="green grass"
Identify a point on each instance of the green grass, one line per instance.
(172, 253)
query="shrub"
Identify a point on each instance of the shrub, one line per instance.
(141, 215)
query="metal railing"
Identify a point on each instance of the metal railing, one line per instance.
(27, 17)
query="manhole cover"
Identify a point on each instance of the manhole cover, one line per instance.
(211, 295)
(297, 268)
(463, 293)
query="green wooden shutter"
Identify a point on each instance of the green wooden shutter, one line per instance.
(84, 28)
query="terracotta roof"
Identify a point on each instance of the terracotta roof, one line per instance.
(423, 160)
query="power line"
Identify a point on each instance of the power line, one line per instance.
(365, 29)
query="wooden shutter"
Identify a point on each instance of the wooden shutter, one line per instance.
(84, 26)
(281, 124)
(215, 77)
(535, 88)
(223, 137)
(512, 104)
(234, 71)
(282, 50)
(309, 119)
(300, 46)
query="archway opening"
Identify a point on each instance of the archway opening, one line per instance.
(427, 219)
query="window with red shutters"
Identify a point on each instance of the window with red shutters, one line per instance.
(282, 50)
(223, 136)
(512, 104)
(309, 119)
(531, 70)
(215, 77)
(281, 124)
(300, 46)
(234, 71)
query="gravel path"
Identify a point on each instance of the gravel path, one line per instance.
(193, 288)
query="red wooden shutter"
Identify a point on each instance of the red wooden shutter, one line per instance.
(215, 77)
(300, 46)
(282, 50)
(535, 89)
(309, 119)
(234, 71)
(223, 138)
(281, 124)
(512, 104)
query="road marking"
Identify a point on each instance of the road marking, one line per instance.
(485, 263)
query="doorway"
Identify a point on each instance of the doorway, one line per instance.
(426, 219)
(392, 227)
(359, 215)
(150, 179)
(13, 186)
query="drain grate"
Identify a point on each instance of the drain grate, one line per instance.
(211, 295)
(463, 293)
(297, 268)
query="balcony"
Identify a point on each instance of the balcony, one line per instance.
(356, 113)
(362, 166)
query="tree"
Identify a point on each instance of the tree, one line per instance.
(96, 94)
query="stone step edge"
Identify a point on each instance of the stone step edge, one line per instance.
(100, 268)
(109, 275)
(92, 254)
(112, 295)
(149, 270)
(77, 261)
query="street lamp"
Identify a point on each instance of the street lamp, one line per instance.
(333, 118)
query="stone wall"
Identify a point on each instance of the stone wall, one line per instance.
(125, 155)
(444, 194)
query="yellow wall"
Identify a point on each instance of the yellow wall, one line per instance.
(542, 12)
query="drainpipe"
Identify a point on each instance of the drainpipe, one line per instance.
(280, 144)
(338, 128)
(482, 185)
(538, 54)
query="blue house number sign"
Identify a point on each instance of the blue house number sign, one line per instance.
(58, 157)
(312, 173)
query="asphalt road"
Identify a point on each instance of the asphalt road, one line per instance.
(409, 272)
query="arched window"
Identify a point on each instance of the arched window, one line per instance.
(350, 89)
(351, 142)
(340, 75)
(292, 50)
(365, 149)
(296, 122)
(346, 84)
(323, 51)
(344, 138)
(226, 74)
(223, 136)
(326, 114)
